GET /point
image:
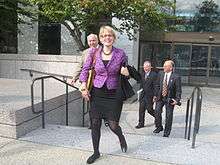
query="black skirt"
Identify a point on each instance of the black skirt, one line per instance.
(104, 104)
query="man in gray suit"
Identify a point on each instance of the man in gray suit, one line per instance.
(168, 94)
(92, 40)
(148, 94)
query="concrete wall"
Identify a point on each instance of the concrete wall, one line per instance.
(10, 64)
(16, 123)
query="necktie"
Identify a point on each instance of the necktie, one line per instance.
(146, 75)
(164, 91)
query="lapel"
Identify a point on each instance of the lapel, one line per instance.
(170, 80)
(161, 80)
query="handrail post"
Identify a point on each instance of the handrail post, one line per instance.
(200, 106)
(42, 104)
(196, 120)
(187, 117)
(190, 117)
(67, 108)
(83, 119)
(197, 116)
(32, 97)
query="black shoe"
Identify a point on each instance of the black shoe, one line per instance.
(123, 144)
(89, 127)
(139, 126)
(157, 130)
(106, 122)
(92, 158)
(165, 135)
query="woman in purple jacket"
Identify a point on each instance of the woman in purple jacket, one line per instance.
(104, 103)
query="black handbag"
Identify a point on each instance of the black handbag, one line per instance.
(125, 89)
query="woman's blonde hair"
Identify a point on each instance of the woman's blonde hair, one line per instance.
(106, 28)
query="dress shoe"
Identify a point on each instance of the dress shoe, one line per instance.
(123, 144)
(92, 158)
(89, 127)
(106, 122)
(157, 130)
(139, 126)
(165, 135)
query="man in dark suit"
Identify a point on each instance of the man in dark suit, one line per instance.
(168, 94)
(148, 95)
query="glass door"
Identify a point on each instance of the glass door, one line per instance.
(198, 63)
(214, 70)
(181, 58)
(156, 53)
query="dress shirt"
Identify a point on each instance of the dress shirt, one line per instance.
(168, 77)
(146, 74)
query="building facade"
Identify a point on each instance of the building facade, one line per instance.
(192, 42)
(40, 46)
(194, 46)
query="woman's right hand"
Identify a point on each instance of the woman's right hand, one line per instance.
(85, 94)
(84, 91)
(73, 81)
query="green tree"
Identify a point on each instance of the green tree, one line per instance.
(14, 12)
(207, 17)
(84, 15)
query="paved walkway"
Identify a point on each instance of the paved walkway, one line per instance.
(72, 145)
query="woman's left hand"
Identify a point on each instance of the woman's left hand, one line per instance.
(124, 71)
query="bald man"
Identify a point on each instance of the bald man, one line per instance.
(168, 94)
(92, 40)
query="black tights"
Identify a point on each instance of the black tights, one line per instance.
(96, 132)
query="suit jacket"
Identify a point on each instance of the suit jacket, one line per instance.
(78, 69)
(174, 87)
(108, 74)
(149, 85)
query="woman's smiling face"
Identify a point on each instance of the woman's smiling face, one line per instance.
(107, 38)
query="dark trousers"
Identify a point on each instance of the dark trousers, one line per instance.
(145, 104)
(169, 115)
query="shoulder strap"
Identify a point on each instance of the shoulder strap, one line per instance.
(94, 56)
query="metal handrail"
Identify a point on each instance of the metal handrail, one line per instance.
(189, 113)
(50, 75)
(42, 97)
(31, 71)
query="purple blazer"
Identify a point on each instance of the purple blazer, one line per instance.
(108, 75)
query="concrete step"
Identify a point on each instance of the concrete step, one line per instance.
(147, 147)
